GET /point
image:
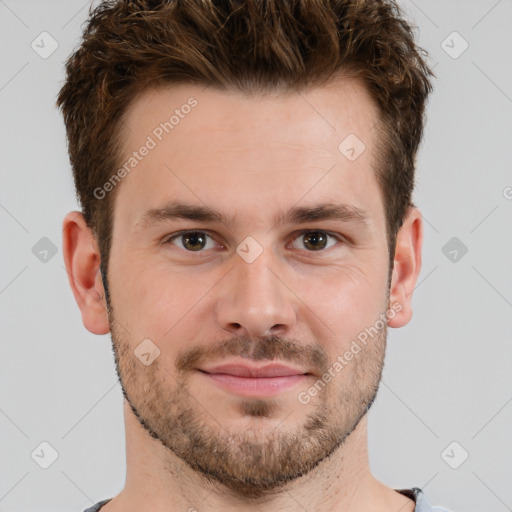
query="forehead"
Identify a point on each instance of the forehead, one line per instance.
(212, 145)
(333, 109)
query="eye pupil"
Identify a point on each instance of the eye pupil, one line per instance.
(317, 239)
(194, 241)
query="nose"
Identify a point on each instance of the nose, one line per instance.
(254, 300)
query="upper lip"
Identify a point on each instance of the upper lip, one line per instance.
(243, 370)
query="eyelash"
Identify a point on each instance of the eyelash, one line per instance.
(337, 237)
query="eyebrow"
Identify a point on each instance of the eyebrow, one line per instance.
(297, 215)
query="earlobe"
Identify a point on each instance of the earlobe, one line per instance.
(407, 266)
(82, 260)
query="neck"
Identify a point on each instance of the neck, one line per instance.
(159, 481)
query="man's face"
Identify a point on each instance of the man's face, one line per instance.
(253, 291)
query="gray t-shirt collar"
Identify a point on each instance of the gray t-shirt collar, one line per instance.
(416, 494)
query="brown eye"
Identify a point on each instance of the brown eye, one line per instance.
(192, 241)
(315, 240)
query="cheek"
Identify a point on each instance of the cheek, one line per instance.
(159, 301)
(350, 298)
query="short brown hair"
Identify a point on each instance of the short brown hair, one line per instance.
(250, 45)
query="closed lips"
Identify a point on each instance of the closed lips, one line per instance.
(275, 370)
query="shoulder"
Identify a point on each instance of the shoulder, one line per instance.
(422, 503)
(96, 508)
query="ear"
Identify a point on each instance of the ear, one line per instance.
(82, 259)
(407, 266)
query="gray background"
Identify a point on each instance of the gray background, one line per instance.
(448, 374)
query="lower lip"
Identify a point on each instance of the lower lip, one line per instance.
(255, 386)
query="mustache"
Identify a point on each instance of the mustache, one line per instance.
(255, 349)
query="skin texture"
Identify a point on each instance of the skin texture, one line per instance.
(190, 443)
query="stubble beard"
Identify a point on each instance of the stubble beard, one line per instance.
(250, 463)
